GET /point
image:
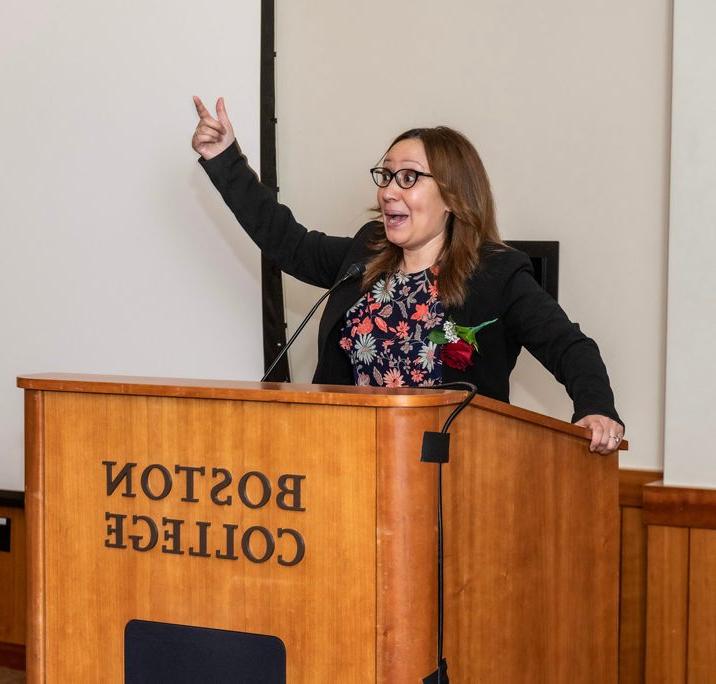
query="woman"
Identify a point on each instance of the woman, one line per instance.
(442, 298)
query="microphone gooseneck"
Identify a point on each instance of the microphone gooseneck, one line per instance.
(355, 270)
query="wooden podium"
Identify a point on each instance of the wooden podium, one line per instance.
(303, 512)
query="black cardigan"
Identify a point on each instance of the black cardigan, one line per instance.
(502, 287)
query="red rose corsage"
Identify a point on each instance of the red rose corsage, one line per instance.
(459, 343)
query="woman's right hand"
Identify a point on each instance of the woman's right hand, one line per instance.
(212, 135)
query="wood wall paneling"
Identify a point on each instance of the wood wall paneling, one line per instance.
(667, 604)
(633, 574)
(702, 607)
(632, 583)
(681, 598)
(681, 583)
(632, 600)
(12, 579)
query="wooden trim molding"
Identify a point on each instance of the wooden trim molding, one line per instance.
(679, 506)
(631, 484)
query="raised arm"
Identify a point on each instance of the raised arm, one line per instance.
(310, 256)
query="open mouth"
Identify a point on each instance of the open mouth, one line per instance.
(394, 219)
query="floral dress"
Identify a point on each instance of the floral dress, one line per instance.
(386, 332)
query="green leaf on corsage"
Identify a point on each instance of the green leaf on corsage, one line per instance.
(437, 336)
(451, 332)
(469, 334)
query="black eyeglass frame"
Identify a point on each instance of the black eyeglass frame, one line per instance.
(394, 174)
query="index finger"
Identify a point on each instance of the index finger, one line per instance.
(201, 110)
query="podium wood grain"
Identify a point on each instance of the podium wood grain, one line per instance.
(526, 508)
(323, 609)
(531, 522)
(35, 541)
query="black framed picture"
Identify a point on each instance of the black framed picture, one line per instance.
(545, 261)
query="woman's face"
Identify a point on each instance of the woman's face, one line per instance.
(415, 218)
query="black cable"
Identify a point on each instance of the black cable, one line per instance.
(471, 392)
(441, 603)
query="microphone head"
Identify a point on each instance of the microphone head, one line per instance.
(354, 270)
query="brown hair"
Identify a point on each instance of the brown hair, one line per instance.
(463, 183)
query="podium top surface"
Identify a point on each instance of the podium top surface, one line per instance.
(285, 392)
(331, 395)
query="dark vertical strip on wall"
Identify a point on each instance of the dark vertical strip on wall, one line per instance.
(274, 322)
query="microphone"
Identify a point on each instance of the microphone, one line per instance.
(355, 270)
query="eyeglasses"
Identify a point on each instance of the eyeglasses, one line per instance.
(405, 178)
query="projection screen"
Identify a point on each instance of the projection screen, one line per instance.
(117, 254)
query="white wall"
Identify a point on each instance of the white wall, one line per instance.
(568, 104)
(115, 254)
(689, 457)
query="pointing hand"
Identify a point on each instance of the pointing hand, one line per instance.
(213, 134)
